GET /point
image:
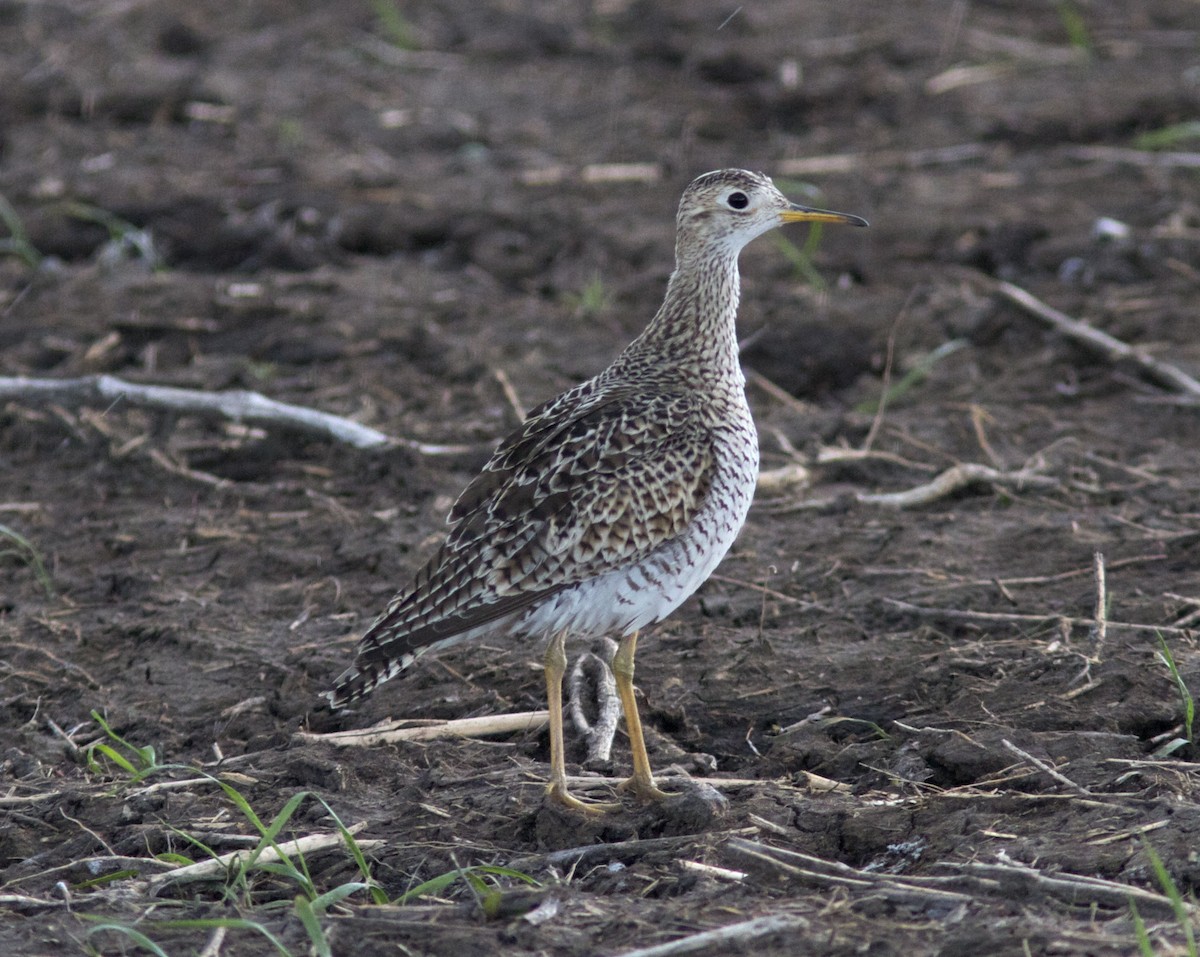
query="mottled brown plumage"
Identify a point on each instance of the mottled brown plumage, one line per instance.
(615, 500)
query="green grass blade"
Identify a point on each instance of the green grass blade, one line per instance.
(1169, 137)
(435, 885)
(312, 925)
(322, 902)
(498, 871)
(393, 24)
(194, 841)
(913, 377)
(800, 257)
(146, 757)
(1185, 693)
(1145, 948)
(378, 895)
(104, 879)
(1167, 883)
(112, 755)
(1075, 26)
(18, 243)
(24, 550)
(135, 935)
(229, 923)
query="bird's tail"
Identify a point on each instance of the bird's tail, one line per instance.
(363, 677)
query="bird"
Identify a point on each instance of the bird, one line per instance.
(613, 502)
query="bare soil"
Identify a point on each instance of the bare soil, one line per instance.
(409, 225)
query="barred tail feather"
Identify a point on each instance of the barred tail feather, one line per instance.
(383, 654)
(363, 677)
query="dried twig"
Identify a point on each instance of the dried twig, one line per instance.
(215, 942)
(1164, 373)
(1075, 889)
(236, 405)
(946, 483)
(1131, 157)
(965, 615)
(1045, 768)
(786, 478)
(624, 851)
(954, 478)
(883, 159)
(391, 731)
(823, 873)
(885, 388)
(1006, 880)
(510, 393)
(1101, 603)
(708, 870)
(731, 939)
(219, 866)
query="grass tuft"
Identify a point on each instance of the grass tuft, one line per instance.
(125, 240)
(17, 242)
(1073, 23)
(1169, 137)
(15, 545)
(216, 923)
(393, 25)
(1185, 694)
(137, 762)
(591, 300)
(913, 377)
(1171, 889)
(286, 880)
(473, 876)
(801, 257)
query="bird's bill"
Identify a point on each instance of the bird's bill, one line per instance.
(806, 214)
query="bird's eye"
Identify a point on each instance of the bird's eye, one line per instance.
(738, 200)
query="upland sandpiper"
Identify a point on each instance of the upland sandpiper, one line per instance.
(614, 501)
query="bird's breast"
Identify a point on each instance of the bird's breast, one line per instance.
(641, 593)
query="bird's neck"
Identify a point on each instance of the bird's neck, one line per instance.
(695, 330)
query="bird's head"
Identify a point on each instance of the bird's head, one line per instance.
(727, 208)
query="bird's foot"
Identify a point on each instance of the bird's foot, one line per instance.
(644, 789)
(557, 791)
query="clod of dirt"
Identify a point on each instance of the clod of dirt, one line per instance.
(692, 808)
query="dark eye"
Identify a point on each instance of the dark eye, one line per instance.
(738, 200)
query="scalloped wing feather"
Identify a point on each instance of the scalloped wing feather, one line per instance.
(563, 500)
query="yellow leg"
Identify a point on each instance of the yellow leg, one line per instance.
(641, 782)
(555, 664)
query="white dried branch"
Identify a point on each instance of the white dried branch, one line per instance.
(1074, 889)
(726, 940)
(1131, 157)
(1045, 768)
(967, 615)
(390, 731)
(883, 159)
(218, 866)
(1101, 601)
(238, 405)
(708, 870)
(1003, 880)
(954, 478)
(1164, 373)
(945, 483)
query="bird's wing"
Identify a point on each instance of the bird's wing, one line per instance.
(564, 499)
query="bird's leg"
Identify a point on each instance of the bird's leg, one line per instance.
(641, 782)
(555, 664)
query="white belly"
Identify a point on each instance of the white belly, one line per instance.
(628, 599)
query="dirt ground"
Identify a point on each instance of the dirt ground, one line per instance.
(407, 214)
